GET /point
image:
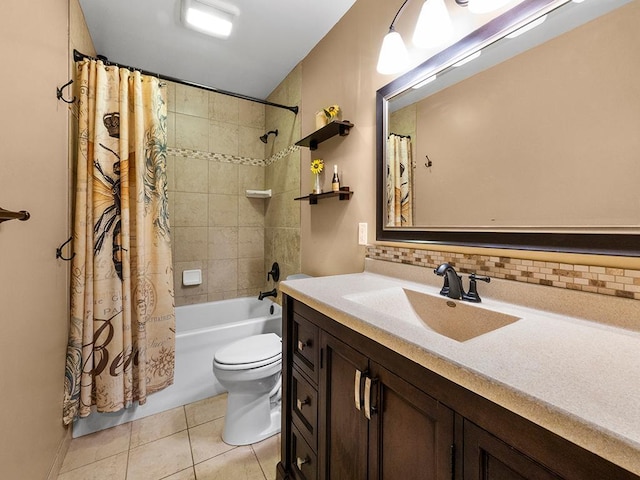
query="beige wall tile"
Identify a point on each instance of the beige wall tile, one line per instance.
(189, 209)
(223, 138)
(250, 178)
(191, 300)
(171, 173)
(251, 242)
(252, 114)
(191, 175)
(171, 130)
(251, 273)
(251, 211)
(223, 210)
(191, 290)
(249, 142)
(224, 108)
(223, 178)
(190, 243)
(223, 243)
(171, 96)
(192, 101)
(191, 132)
(223, 275)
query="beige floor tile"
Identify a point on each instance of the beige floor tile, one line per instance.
(188, 474)
(238, 464)
(157, 426)
(206, 410)
(206, 440)
(111, 468)
(160, 458)
(96, 446)
(268, 453)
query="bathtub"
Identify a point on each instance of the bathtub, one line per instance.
(201, 329)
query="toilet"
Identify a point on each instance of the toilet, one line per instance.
(250, 369)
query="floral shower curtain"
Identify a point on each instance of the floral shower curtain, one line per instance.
(122, 331)
(399, 181)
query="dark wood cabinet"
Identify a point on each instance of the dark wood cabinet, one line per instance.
(356, 410)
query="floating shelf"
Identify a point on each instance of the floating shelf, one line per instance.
(325, 133)
(344, 194)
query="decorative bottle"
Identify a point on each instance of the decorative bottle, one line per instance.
(335, 182)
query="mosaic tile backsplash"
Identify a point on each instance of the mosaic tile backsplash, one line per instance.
(619, 282)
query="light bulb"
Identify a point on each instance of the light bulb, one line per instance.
(393, 55)
(434, 26)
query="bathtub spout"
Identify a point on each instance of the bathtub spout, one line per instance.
(272, 293)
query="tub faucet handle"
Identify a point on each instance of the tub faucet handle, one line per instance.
(274, 272)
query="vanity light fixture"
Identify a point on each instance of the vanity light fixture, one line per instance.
(211, 17)
(433, 28)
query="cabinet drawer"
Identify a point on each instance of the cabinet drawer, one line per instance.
(305, 346)
(304, 461)
(304, 404)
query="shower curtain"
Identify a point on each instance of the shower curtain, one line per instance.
(122, 330)
(399, 181)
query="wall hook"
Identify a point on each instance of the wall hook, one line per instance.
(59, 93)
(428, 163)
(59, 251)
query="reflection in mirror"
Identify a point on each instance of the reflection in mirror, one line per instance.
(533, 144)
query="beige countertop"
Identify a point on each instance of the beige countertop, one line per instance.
(576, 377)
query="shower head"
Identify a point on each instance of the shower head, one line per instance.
(264, 137)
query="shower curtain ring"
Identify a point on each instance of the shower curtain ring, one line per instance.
(59, 93)
(59, 251)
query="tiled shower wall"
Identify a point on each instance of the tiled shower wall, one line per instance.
(215, 227)
(619, 282)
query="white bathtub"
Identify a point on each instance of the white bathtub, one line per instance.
(201, 329)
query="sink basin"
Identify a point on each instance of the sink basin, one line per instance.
(455, 319)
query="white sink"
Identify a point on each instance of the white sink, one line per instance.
(455, 319)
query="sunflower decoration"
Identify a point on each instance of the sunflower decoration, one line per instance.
(332, 113)
(317, 165)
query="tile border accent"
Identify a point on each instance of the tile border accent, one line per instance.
(227, 158)
(618, 282)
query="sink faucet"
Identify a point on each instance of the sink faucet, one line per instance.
(272, 293)
(453, 288)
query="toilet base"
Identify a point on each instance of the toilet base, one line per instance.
(250, 419)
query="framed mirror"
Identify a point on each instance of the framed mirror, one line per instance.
(534, 144)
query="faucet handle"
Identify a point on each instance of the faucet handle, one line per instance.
(472, 295)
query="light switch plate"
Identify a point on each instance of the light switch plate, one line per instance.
(362, 234)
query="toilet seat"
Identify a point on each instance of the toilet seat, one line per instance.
(251, 352)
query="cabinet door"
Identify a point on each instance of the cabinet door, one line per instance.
(342, 428)
(489, 458)
(411, 435)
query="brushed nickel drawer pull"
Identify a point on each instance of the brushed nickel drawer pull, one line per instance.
(301, 403)
(356, 389)
(368, 409)
(301, 461)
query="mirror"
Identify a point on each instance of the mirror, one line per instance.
(534, 145)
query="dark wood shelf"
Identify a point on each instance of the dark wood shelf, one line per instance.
(344, 194)
(325, 133)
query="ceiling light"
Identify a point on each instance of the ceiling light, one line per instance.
(434, 25)
(393, 55)
(527, 27)
(211, 17)
(485, 6)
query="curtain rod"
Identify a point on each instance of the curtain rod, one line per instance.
(77, 56)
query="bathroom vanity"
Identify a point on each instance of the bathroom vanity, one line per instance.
(371, 391)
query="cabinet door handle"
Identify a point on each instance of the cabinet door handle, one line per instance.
(368, 409)
(301, 461)
(356, 389)
(302, 344)
(301, 403)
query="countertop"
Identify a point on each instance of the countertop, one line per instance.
(573, 376)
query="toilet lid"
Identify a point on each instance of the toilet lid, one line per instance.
(256, 348)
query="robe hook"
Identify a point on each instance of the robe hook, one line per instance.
(59, 93)
(59, 251)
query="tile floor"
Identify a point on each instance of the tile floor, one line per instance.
(184, 443)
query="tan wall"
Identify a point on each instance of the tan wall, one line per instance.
(215, 227)
(341, 69)
(282, 220)
(33, 284)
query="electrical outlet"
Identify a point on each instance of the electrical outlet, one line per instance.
(362, 234)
